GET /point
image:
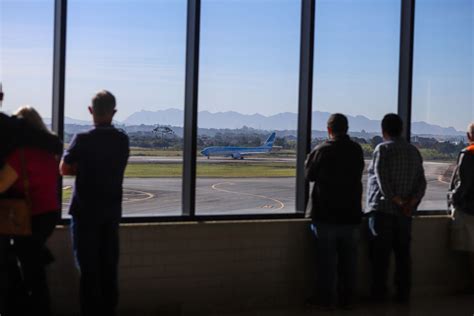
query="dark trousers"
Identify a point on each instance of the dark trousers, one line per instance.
(33, 257)
(386, 233)
(4, 243)
(336, 262)
(96, 248)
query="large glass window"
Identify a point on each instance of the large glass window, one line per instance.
(248, 91)
(356, 58)
(443, 100)
(136, 50)
(26, 54)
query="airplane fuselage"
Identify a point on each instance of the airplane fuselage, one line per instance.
(234, 152)
(239, 152)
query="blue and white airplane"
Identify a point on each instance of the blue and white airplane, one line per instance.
(239, 152)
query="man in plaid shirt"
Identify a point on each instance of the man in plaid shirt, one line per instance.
(396, 185)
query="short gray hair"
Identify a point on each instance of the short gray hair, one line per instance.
(103, 103)
(470, 129)
(338, 123)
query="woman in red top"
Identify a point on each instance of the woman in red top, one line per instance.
(42, 171)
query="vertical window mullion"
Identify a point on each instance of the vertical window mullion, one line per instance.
(305, 100)
(405, 78)
(59, 71)
(191, 107)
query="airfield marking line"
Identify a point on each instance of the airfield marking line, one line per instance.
(215, 187)
(148, 196)
(440, 179)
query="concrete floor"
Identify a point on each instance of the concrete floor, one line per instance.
(460, 305)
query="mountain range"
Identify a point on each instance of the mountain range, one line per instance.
(280, 121)
(69, 121)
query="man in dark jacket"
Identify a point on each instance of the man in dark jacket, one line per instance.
(336, 167)
(98, 159)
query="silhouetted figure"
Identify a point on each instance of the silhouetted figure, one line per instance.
(396, 185)
(98, 159)
(41, 168)
(336, 167)
(462, 202)
(17, 133)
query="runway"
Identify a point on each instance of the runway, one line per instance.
(162, 196)
(201, 159)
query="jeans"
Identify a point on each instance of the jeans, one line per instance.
(336, 265)
(386, 233)
(33, 257)
(96, 249)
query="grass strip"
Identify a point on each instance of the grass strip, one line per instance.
(211, 170)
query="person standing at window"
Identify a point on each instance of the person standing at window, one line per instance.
(41, 168)
(98, 159)
(396, 185)
(336, 168)
(16, 133)
(462, 202)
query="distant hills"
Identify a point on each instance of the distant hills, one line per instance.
(280, 121)
(70, 121)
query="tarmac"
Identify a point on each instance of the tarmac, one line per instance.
(162, 196)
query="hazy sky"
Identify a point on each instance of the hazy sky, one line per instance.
(249, 56)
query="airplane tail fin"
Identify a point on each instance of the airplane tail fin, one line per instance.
(270, 140)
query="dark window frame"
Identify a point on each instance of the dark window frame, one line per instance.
(308, 7)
